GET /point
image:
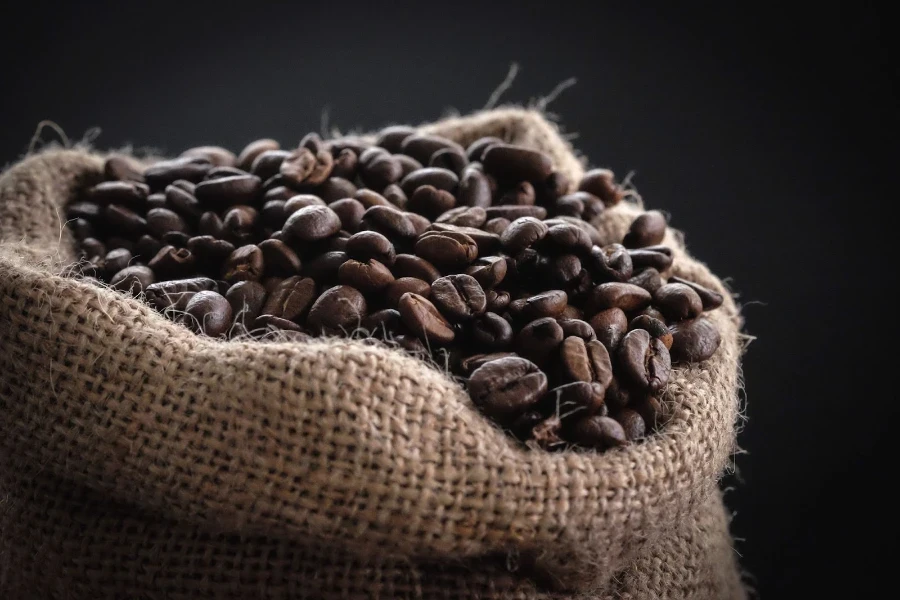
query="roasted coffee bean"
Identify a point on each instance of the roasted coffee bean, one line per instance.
(451, 159)
(422, 146)
(576, 399)
(368, 277)
(121, 243)
(655, 327)
(381, 171)
(539, 339)
(124, 220)
(514, 164)
(488, 271)
(116, 260)
(209, 251)
(252, 150)
(554, 187)
(391, 138)
(458, 297)
(545, 304)
(507, 387)
(610, 263)
(146, 247)
(246, 299)
(568, 238)
(476, 150)
(441, 179)
(488, 243)
(520, 195)
(648, 278)
(652, 412)
(244, 264)
(513, 212)
(694, 341)
(211, 224)
(626, 296)
(409, 164)
(179, 239)
(523, 426)
(497, 225)
(632, 424)
(161, 221)
(350, 212)
(657, 257)
(133, 279)
(369, 198)
(388, 221)
(298, 201)
(644, 361)
(265, 325)
(468, 364)
(382, 323)
(570, 205)
(208, 312)
(340, 309)
(273, 215)
(449, 248)
(223, 171)
(218, 156)
(522, 233)
(176, 294)
(371, 244)
(89, 211)
(229, 191)
(589, 361)
(270, 283)
(291, 298)
(497, 301)
(240, 224)
(161, 174)
(574, 326)
(597, 432)
(491, 331)
(474, 189)
(424, 320)
(80, 228)
(610, 325)
(311, 224)
(590, 230)
(618, 395)
(396, 196)
(408, 265)
(648, 229)
(183, 202)
(420, 224)
(173, 263)
(410, 343)
(126, 193)
(305, 167)
(345, 164)
(602, 183)
(463, 216)
(335, 188)
(711, 299)
(651, 311)
(122, 168)
(430, 201)
(357, 144)
(678, 301)
(400, 286)
(547, 435)
(268, 163)
(279, 259)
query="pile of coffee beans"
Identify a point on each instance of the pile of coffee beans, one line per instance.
(483, 258)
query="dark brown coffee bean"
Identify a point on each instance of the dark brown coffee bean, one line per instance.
(121, 243)
(339, 309)
(268, 163)
(694, 341)
(89, 211)
(572, 326)
(123, 168)
(273, 215)
(279, 259)
(161, 174)
(632, 424)
(388, 221)
(710, 298)
(422, 146)
(208, 312)
(474, 189)
(179, 239)
(424, 320)
(441, 179)
(381, 171)
(335, 188)
(177, 293)
(458, 297)
(448, 248)
(209, 251)
(265, 325)
(173, 263)
(420, 224)
(246, 299)
(133, 279)
(610, 263)
(649, 279)
(211, 224)
(146, 247)
(656, 328)
(305, 167)
(183, 202)
(488, 243)
(409, 265)
(80, 228)
(491, 331)
(538, 340)
(391, 138)
(507, 387)
(610, 325)
(586, 361)
(488, 271)
(523, 426)
(561, 271)
(400, 286)
(554, 187)
(497, 302)
(568, 238)
(313, 142)
(514, 164)
(497, 225)
(626, 296)
(589, 229)
(646, 230)
(311, 224)
(345, 164)
(350, 212)
(469, 363)
(368, 277)
(431, 202)
(395, 195)
(644, 361)
(252, 150)
(125, 193)
(570, 205)
(382, 324)
(651, 311)
(597, 432)
(369, 198)
(218, 156)
(298, 201)
(185, 185)
(124, 220)
(220, 172)
(513, 212)
(355, 143)
(678, 302)
(451, 159)
(116, 260)
(161, 221)
(463, 216)
(270, 283)
(229, 191)
(652, 412)
(519, 195)
(602, 183)
(244, 264)
(371, 244)
(476, 150)
(657, 257)
(545, 304)
(290, 299)
(576, 399)
(408, 164)
(522, 233)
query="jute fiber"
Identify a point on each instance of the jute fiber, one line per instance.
(138, 460)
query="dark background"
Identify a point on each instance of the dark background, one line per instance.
(769, 134)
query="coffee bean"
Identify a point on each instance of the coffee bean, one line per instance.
(547, 435)
(265, 325)
(133, 279)
(539, 339)
(208, 312)
(176, 294)
(488, 271)
(652, 412)
(209, 252)
(229, 191)
(183, 202)
(126, 193)
(161, 221)
(161, 174)
(430, 201)
(655, 327)
(648, 278)
(178, 239)
(252, 151)
(657, 257)
(554, 187)
(391, 138)
(488, 243)
(420, 224)
(644, 361)
(523, 426)
(89, 211)
(345, 164)
(458, 297)
(632, 424)
(610, 263)
(218, 156)
(476, 150)
(626, 296)
(522, 233)
(602, 183)
(545, 304)
(451, 159)
(173, 263)
(710, 298)
(514, 164)
(678, 301)
(561, 271)
(400, 286)
(497, 225)
(468, 364)
(371, 244)
(408, 265)
(449, 248)
(520, 195)
(279, 259)
(573, 326)
(408, 164)
(369, 198)
(146, 247)
(597, 432)
(576, 399)
(381, 171)
(422, 146)
(424, 320)
(382, 323)
(368, 277)
(290, 299)
(491, 331)
(270, 283)
(464, 216)
(513, 212)
(441, 179)
(619, 396)
(246, 299)
(566, 237)
(338, 310)
(220, 172)
(357, 144)
(474, 189)
(647, 230)
(694, 341)
(116, 260)
(124, 220)
(350, 212)
(610, 325)
(268, 163)
(588, 362)
(388, 221)
(305, 167)
(395, 195)
(298, 201)
(123, 168)
(507, 387)
(497, 301)
(244, 264)
(311, 223)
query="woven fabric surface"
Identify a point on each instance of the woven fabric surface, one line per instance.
(171, 465)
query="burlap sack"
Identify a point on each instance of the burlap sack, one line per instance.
(140, 460)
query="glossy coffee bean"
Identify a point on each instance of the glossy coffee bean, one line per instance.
(409, 265)
(391, 138)
(644, 361)
(291, 298)
(447, 248)
(610, 325)
(209, 313)
(163, 173)
(339, 309)
(474, 189)
(424, 320)
(252, 150)
(507, 387)
(122, 168)
(389, 221)
(491, 331)
(431, 202)
(229, 191)
(423, 146)
(311, 224)
(539, 306)
(710, 299)
(632, 424)
(133, 279)
(458, 297)
(350, 212)
(522, 233)
(602, 183)
(588, 362)
(678, 302)
(173, 263)
(648, 229)
(520, 195)
(657, 257)
(368, 276)
(438, 178)
(539, 340)
(597, 432)
(279, 259)
(694, 341)
(626, 296)
(488, 271)
(402, 285)
(175, 294)
(515, 164)
(246, 299)
(648, 278)
(244, 264)
(656, 328)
